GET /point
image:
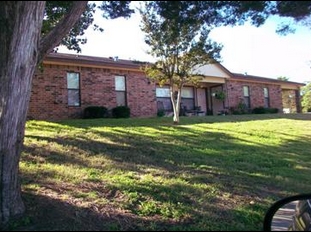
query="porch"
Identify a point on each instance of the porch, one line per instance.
(209, 99)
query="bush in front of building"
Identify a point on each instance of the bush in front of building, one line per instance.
(121, 112)
(240, 109)
(259, 110)
(262, 110)
(160, 113)
(272, 110)
(95, 112)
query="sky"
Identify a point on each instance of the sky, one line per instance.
(246, 49)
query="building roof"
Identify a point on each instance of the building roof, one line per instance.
(134, 65)
(252, 78)
(91, 61)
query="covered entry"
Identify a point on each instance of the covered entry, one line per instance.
(202, 99)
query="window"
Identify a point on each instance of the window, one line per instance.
(164, 98)
(246, 96)
(73, 87)
(187, 98)
(120, 90)
(266, 96)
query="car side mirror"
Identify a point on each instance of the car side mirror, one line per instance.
(289, 214)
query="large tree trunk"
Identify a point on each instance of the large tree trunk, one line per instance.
(20, 27)
(21, 50)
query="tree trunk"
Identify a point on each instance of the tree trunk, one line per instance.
(21, 51)
(176, 105)
(20, 26)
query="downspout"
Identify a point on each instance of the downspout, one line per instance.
(206, 101)
(227, 95)
(298, 101)
(211, 100)
(196, 97)
(224, 101)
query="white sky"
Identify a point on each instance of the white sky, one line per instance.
(247, 49)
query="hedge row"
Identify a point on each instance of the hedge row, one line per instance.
(103, 112)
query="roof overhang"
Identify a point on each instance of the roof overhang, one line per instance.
(291, 86)
(255, 79)
(91, 62)
(209, 79)
(212, 70)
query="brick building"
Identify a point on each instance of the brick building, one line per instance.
(65, 84)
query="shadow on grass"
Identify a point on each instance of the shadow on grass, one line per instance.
(54, 215)
(210, 182)
(168, 121)
(49, 214)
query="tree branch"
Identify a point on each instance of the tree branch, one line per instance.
(54, 37)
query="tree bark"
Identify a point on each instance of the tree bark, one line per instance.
(20, 26)
(176, 104)
(21, 50)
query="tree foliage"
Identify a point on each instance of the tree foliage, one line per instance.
(224, 13)
(177, 33)
(283, 78)
(55, 11)
(216, 13)
(178, 39)
(292, 13)
(306, 97)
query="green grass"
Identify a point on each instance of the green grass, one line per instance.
(206, 174)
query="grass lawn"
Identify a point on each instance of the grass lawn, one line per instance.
(213, 173)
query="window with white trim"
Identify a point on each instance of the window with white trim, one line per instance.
(164, 98)
(73, 89)
(120, 88)
(187, 98)
(266, 96)
(246, 96)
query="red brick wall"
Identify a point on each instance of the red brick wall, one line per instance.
(235, 93)
(49, 92)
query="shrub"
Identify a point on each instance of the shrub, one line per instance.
(160, 113)
(262, 110)
(272, 110)
(121, 112)
(95, 112)
(220, 95)
(259, 110)
(209, 112)
(240, 109)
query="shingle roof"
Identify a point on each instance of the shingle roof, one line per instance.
(262, 79)
(76, 59)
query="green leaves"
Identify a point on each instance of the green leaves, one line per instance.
(55, 11)
(178, 39)
(306, 98)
